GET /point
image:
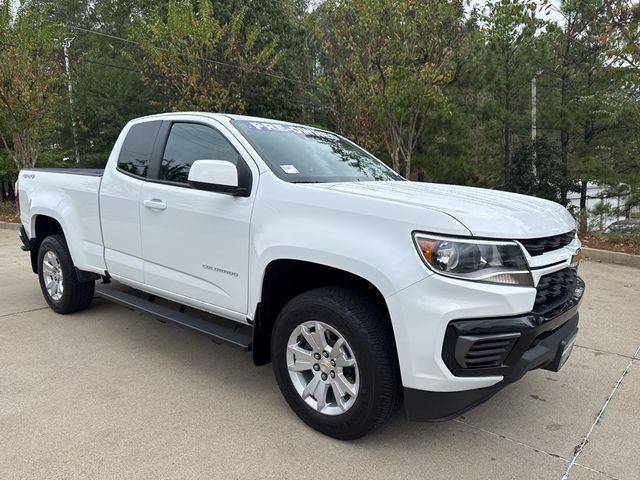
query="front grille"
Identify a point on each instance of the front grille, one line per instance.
(484, 351)
(538, 246)
(555, 290)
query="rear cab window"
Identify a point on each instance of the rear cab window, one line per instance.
(137, 148)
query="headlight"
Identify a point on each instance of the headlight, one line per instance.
(478, 260)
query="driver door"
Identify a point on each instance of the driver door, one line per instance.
(195, 243)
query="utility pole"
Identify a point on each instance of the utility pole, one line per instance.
(533, 110)
(534, 119)
(65, 46)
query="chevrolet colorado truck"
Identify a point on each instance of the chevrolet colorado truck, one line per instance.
(364, 290)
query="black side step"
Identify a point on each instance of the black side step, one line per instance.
(219, 329)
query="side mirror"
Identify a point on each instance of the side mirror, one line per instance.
(215, 176)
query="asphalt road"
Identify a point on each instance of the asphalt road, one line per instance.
(110, 393)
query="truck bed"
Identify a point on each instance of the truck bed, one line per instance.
(68, 196)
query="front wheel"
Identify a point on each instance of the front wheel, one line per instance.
(335, 362)
(58, 279)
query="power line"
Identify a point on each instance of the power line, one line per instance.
(95, 32)
(208, 60)
(111, 65)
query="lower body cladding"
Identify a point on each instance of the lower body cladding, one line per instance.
(452, 360)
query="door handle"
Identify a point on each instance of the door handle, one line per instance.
(155, 204)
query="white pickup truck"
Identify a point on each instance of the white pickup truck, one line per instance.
(361, 288)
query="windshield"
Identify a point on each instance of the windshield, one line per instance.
(304, 154)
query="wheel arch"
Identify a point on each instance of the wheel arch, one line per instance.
(42, 226)
(283, 280)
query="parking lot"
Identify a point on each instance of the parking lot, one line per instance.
(111, 393)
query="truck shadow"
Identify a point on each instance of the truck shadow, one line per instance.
(217, 373)
(223, 371)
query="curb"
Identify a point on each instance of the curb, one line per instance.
(9, 226)
(607, 256)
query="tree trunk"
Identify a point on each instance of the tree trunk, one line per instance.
(583, 206)
(507, 156)
(407, 166)
(8, 194)
(506, 128)
(588, 134)
(395, 157)
(392, 144)
(12, 190)
(395, 148)
(26, 149)
(564, 144)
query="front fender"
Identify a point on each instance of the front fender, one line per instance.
(361, 236)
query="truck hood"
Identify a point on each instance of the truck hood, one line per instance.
(485, 213)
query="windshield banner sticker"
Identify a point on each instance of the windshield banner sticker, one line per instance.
(289, 169)
(281, 127)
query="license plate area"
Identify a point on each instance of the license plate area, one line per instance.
(564, 352)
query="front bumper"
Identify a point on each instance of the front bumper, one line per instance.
(534, 341)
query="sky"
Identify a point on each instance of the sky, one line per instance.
(554, 15)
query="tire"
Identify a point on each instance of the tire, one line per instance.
(54, 263)
(368, 343)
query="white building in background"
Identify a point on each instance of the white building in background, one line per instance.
(594, 197)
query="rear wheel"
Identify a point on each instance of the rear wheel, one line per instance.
(58, 279)
(335, 362)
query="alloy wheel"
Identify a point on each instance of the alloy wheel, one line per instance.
(323, 368)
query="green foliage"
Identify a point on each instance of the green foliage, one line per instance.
(188, 53)
(30, 79)
(599, 212)
(623, 31)
(575, 64)
(285, 92)
(441, 94)
(108, 91)
(104, 100)
(8, 168)
(536, 170)
(386, 64)
(505, 64)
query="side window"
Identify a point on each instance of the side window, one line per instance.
(135, 154)
(189, 142)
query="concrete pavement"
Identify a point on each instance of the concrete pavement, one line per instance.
(110, 393)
